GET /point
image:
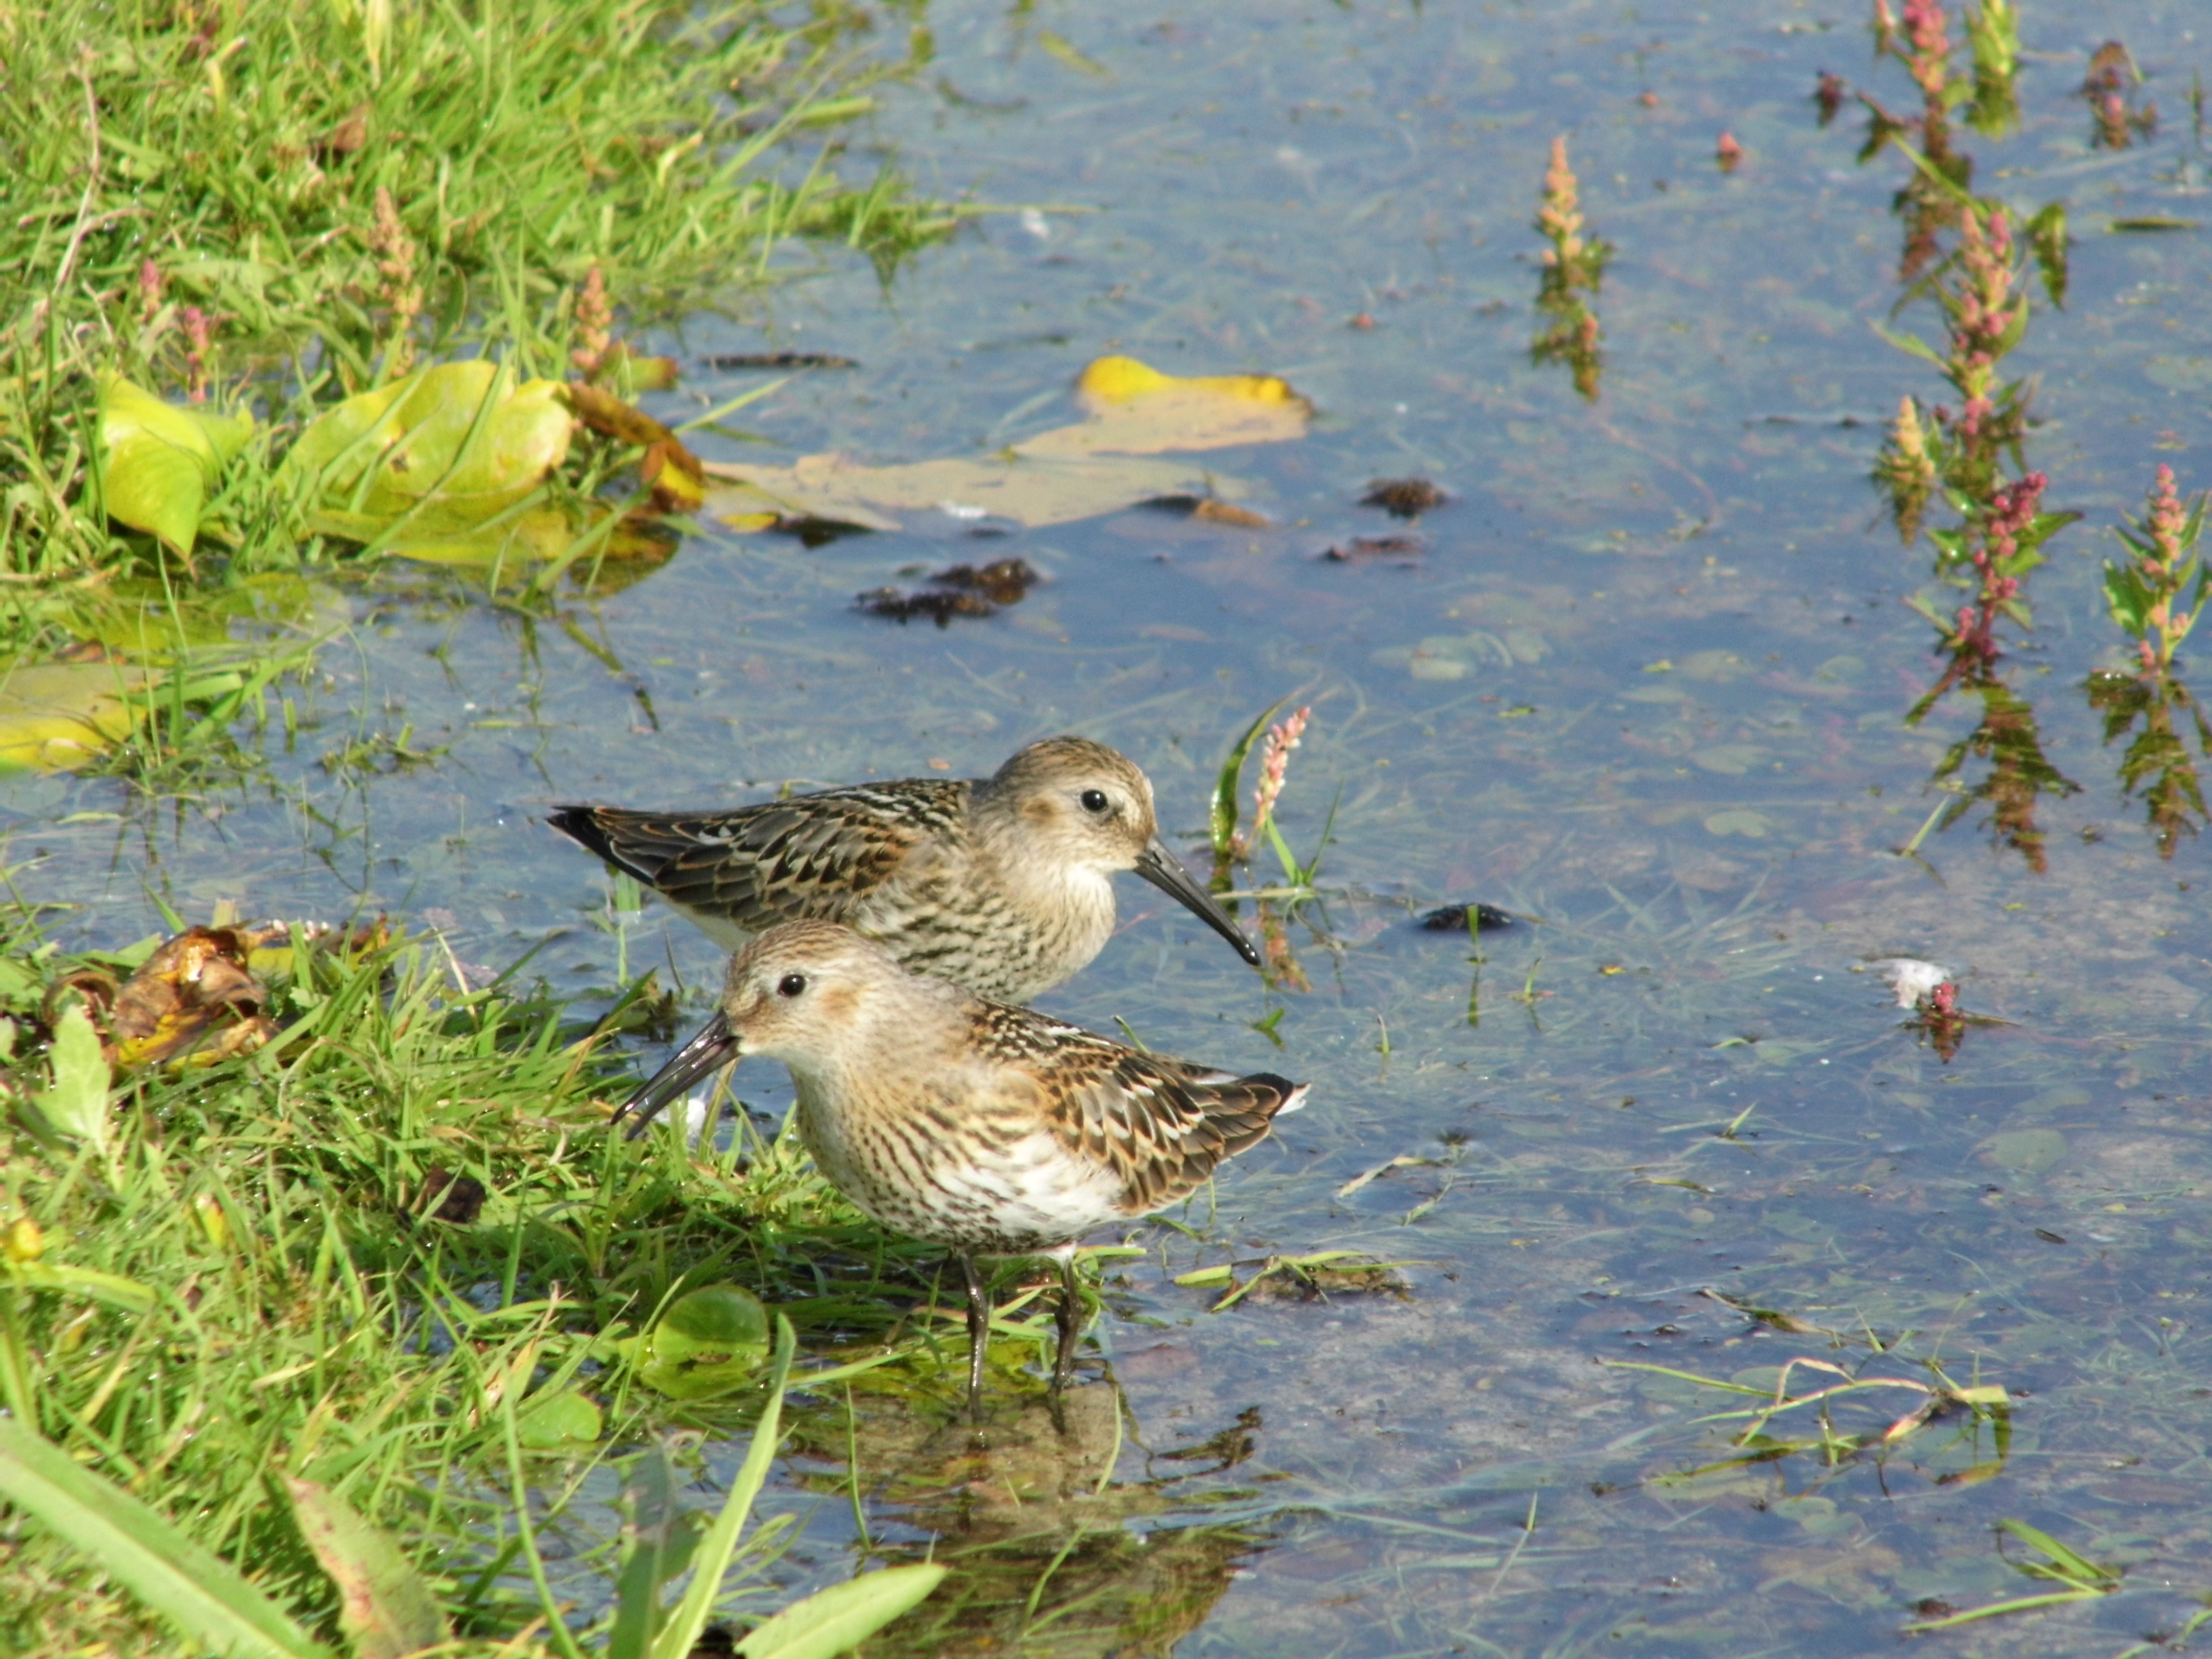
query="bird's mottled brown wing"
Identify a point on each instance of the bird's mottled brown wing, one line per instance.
(811, 858)
(1162, 1125)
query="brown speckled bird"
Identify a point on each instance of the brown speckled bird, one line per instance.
(1002, 884)
(989, 1129)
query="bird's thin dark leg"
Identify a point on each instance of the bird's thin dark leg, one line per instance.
(979, 1335)
(1071, 1325)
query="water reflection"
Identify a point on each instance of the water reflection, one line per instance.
(2156, 712)
(1052, 1556)
(2020, 773)
(1959, 457)
(2110, 90)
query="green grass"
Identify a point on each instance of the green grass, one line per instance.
(272, 206)
(283, 1300)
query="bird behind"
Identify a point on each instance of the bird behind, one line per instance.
(1002, 885)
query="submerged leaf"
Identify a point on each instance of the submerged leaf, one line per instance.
(385, 1609)
(162, 461)
(1070, 472)
(56, 717)
(1029, 490)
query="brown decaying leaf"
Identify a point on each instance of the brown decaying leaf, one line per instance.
(1002, 582)
(961, 590)
(781, 360)
(672, 471)
(457, 1199)
(1403, 498)
(197, 1000)
(344, 139)
(1210, 511)
(194, 996)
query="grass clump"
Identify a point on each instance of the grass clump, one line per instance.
(386, 1247)
(266, 208)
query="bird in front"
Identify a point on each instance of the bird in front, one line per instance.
(1003, 884)
(991, 1130)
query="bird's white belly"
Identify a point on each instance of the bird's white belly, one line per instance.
(1034, 1188)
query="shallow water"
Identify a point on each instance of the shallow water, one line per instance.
(1680, 1077)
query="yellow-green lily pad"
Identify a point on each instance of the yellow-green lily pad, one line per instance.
(710, 1341)
(548, 1422)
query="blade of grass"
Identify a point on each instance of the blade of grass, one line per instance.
(196, 1589)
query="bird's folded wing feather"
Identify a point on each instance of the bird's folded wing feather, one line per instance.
(1162, 1125)
(815, 857)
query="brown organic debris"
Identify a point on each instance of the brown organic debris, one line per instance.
(1358, 548)
(671, 471)
(1403, 498)
(344, 139)
(457, 1199)
(961, 590)
(1210, 511)
(781, 360)
(1828, 96)
(194, 996)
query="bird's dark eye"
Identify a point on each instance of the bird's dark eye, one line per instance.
(1094, 800)
(791, 985)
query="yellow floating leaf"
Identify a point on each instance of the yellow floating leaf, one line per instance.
(56, 717)
(1137, 411)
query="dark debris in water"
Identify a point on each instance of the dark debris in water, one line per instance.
(1003, 581)
(820, 532)
(1452, 918)
(1403, 498)
(1358, 549)
(781, 360)
(964, 590)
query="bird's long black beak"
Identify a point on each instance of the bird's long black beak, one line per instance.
(715, 1047)
(1160, 867)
